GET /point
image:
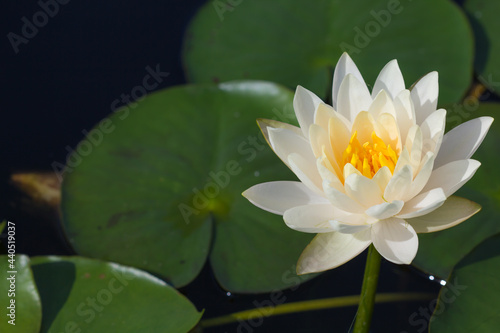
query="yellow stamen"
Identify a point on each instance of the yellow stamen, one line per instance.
(369, 157)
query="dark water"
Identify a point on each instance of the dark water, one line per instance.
(68, 77)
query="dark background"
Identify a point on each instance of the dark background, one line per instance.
(64, 80)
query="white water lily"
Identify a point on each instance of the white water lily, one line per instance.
(373, 167)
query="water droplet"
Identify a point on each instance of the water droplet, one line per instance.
(256, 173)
(228, 293)
(442, 282)
(431, 277)
(236, 115)
(478, 14)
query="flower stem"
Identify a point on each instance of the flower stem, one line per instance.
(317, 304)
(370, 280)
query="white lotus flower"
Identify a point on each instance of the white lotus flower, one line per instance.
(373, 168)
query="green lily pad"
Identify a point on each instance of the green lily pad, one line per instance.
(439, 252)
(297, 42)
(80, 294)
(469, 302)
(20, 308)
(163, 189)
(483, 15)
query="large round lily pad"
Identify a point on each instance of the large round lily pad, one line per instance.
(299, 42)
(20, 307)
(162, 190)
(469, 302)
(438, 252)
(86, 295)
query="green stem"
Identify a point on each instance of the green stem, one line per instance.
(318, 304)
(368, 291)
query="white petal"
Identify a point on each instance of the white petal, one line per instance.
(344, 66)
(319, 218)
(390, 79)
(330, 250)
(422, 177)
(399, 184)
(365, 191)
(340, 134)
(285, 142)
(382, 103)
(450, 177)
(414, 145)
(341, 200)
(433, 130)
(319, 140)
(461, 142)
(346, 228)
(405, 112)
(329, 176)
(382, 178)
(305, 104)
(353, 97)
(395, 240)
(277, 197)
(425, 94)
(306, 171)
(310, 218)
(265, 124)
(385, 210)
(403, 160)
(387, 129)
(423, 203)
(454, 211)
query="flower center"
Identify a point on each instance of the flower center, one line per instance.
(369, 157)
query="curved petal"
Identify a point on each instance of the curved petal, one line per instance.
(414, 143)
(285, 142)
(278, 197)
(462, 142)
(347, 228)
(423, 203)
(399, 184)
(310, 218)
(422, 177)
(385, 210)
(432, 131)
(340, 134)
(365, 191)
(454, 211)
(382, 178)
(318, 218)
(341, 200)
(364, 125)
(305, 104)
(306, 171)
(353, 97)
(387, 129)
(450, 177)
(382, 103)
(425, 94)
(331, 250)
(329, 175)
(405, 112)
(344, 66)
(390, 79)
(319, 140)
(395, 240)
(265, 124)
